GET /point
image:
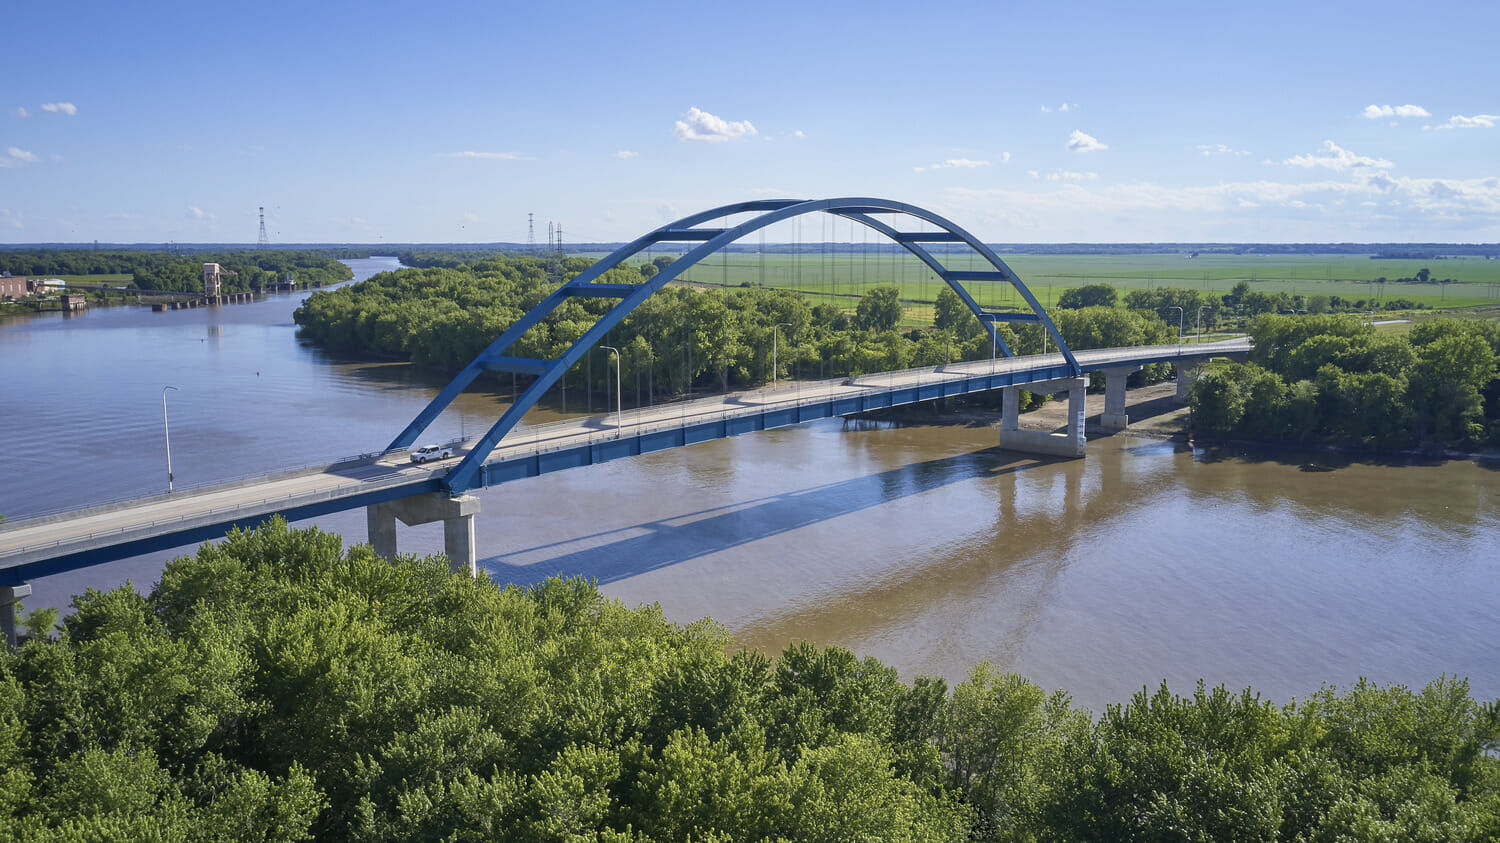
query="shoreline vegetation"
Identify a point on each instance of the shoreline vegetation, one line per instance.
(281, 686)
(1335, 380)
(116, 275)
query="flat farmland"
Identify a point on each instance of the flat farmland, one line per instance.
(841, 275)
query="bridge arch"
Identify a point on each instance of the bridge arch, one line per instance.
(689, 230)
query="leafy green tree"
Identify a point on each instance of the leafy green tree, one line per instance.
(952, 315)
(880, 309)
(1089, 295)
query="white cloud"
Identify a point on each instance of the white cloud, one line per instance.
(1478, 121)
(60, 108)
(1210, 149)
(1475, 202)
(1335, 157)
(1080, 142)
(1064, 107)
(197, 213)
(11, 219)
(1034, 174)
(1069, 175)
(22, 112)
(471, 216)
(1375, 112)
(699, 125)
(497, 156)
(21, 155)
(625, 153)
(960, 164)
(799, 135)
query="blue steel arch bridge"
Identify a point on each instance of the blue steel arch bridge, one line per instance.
(892, 220)
(392, 489)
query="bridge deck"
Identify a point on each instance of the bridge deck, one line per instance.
(36, 547)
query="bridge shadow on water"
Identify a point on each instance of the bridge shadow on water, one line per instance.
(625, 552)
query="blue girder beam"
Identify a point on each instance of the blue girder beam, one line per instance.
(928, 237)
(519, 365)
(685, 234)
(974, 275)
(601, 291)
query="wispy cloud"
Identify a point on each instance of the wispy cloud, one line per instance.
(1335, 157)
(14, 155)
(1080, 142)
(1069, 175)
(22, 112)
(197, 213)
(1067, 106)
(492, 156)
(625, 153)
(1478, 121)
(60, 108)
(1375, 112)
(799, 135)
(1210, 149)
(961, 164)
(11, 219)
(698, 125)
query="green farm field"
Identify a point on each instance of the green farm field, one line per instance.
(844, 277)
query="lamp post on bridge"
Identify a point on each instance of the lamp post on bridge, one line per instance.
(775, 343)
(167, 431)
(1179, 324)
(619, 418)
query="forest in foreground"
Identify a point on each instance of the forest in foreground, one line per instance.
(280, 686)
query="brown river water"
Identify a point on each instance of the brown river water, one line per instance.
(925, 546)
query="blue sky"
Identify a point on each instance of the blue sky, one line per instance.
(1024, 122)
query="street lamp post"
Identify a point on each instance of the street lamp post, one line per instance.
(1201, 308)
(775, 343)
(167, 430)
(619, 417)
(1179, 323)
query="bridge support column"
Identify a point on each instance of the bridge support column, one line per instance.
(1114, 416)
(9, 596)
(456, 512)
(1070, 444)
(1187, 374)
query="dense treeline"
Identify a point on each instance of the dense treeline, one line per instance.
(181, 273)
(1335, 379)
(1192, 310)
(681, 339)
(280, 687)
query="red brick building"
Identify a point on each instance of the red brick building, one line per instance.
(12, 287)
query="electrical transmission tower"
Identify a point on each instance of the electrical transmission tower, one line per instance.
(264, 240)
(531, 232)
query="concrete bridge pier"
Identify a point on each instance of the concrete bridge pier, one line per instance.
(1187, 375)
(9, 596)
(456, 512)
(1114, 416)
(1070, 444)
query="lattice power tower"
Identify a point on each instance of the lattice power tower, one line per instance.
(264, 240)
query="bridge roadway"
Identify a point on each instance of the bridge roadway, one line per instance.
(49, 544)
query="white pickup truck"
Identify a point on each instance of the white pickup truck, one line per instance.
(431, 452)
